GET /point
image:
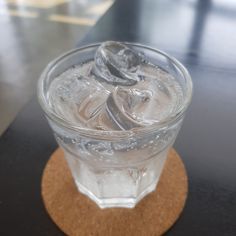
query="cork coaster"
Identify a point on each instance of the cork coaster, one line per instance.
(76, 214)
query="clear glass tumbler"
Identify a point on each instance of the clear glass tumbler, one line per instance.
(115, 168)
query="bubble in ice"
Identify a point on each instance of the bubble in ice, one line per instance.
(117, 64)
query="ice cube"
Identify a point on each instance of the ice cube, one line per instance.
(77, 98)
(116, 111)
(117, 64)
(150, 102)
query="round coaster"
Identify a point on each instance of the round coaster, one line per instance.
(76, 214)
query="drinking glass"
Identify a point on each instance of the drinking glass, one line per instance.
(115, 168)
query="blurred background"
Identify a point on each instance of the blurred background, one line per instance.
(32, 33)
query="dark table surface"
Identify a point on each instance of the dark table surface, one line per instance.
(202, 35)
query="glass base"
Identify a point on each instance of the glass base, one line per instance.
(115, 202)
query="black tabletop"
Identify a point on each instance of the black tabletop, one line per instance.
(202, 35)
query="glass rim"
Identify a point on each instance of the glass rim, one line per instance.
(110, 134)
